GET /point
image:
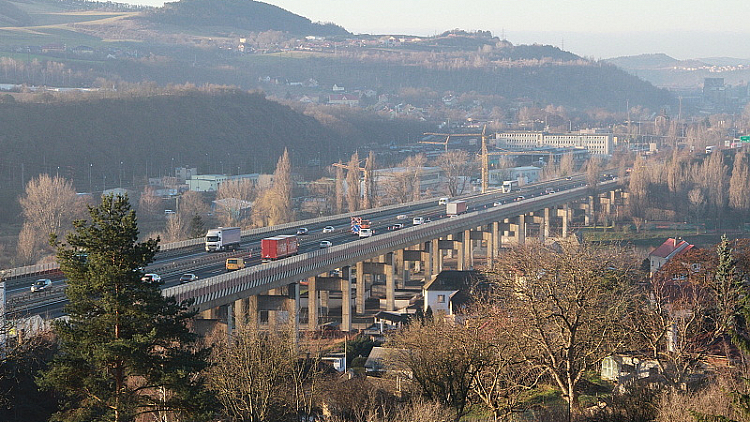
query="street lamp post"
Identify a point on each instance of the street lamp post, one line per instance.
(90, 166)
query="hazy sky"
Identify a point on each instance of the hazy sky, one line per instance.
(593, 28)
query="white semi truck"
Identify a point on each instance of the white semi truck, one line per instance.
(222, 239)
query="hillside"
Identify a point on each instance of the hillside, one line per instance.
(242, 15)
(224, 131)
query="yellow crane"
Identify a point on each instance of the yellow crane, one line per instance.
(485, 158)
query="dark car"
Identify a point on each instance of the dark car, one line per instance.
(187, 278)
(40, 285)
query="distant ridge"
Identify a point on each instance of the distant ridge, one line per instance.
(246, 15)
(644, 61)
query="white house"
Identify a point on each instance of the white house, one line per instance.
(448, 291)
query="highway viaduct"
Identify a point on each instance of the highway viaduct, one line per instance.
(351, 268)
(275, 287)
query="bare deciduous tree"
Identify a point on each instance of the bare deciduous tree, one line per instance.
(251, 374)
(457, 167)
(568, 307)
(49, 206)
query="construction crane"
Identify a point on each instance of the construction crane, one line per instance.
(485, 158)
(447, 139)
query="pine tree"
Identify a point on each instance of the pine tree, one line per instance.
(125, 350)
(197, 227)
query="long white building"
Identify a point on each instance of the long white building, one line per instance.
(595, 143)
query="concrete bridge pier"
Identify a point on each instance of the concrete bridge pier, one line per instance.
(359, 300)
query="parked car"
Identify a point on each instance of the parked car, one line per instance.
(40, 285)
(328, 229)
(187, 278)
(151, 277)
(301, 231)
(325, 244)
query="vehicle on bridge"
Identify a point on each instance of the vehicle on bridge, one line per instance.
(187, 278)
(444, 200)
(278, 247)
(151, 277)
(359, 223)
(417, 221)
(325, 244)
(365, 233)
(328, 229)
(455, 208)
(234, 264)
(510, 185)
(40, 285)
(223, 238)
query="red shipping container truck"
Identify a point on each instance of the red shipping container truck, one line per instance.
(278, 247)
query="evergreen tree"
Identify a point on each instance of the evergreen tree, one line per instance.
(125, 350)
(197, 228)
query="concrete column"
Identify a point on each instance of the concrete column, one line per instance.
(437, 256)
(346, 299)
(324, 295)
(521, 235)
(230, 319)
(428, 264)
(252, 312)
(496, 240)
(468, 249)
(240, 312)
(565, 220)
(588, 215)
(360, 298)
(292, 306)
(312, 304)
(212, 313)
(461, 260)
(547, 222)
(390, 288)
(400, 266)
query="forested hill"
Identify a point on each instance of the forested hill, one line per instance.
(245, 15)
(149, 134)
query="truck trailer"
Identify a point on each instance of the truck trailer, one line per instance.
(278, 247)
(223, 239)
(455, 208)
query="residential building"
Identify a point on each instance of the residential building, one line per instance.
(448, 291)
(668, 250)
(344, 99)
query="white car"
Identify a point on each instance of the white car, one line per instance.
(151, 277)
(365, 232)
(187, 278)
(40, 285)
(401, 217)
(325, 244)
(328, 229)
(302, 231)
(417, 221)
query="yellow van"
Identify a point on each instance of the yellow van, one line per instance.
(235, 264)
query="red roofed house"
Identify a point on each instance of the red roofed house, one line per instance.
(345, 99)
(665, 252)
